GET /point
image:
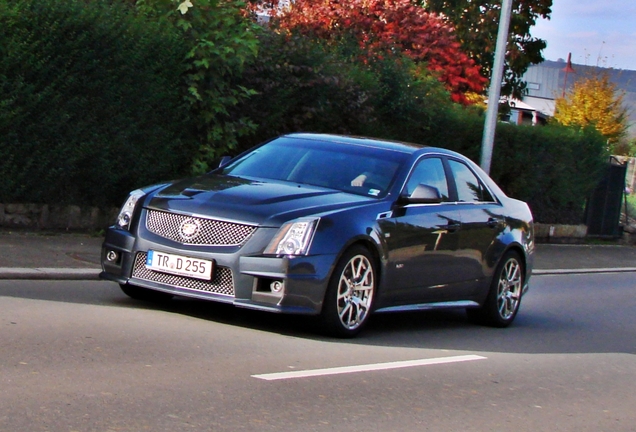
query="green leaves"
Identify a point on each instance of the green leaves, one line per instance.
(219, 40)
(89, 104)
(476, 23)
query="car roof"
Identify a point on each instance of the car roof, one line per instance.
(397, 146)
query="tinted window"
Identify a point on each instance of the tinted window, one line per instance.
(321, 163)
(430, 172)
(469, 188)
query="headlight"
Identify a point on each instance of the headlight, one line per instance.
(126, 212)
(293, 238)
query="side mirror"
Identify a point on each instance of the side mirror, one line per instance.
(224, 161)
(424, 194)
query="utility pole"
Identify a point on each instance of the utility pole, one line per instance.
(495, 86)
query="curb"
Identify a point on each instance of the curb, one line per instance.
(49, 273)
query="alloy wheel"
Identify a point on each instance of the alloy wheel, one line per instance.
(355, 292)
(509, 289)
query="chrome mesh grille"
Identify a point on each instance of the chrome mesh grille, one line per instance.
(221, 283)
(210, 232)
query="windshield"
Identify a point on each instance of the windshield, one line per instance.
(350, 168)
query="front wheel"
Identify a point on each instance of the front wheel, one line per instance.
(349, 298)
(502, 304)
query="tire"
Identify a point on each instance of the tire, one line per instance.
(504, 297)
(349, 298)
(144, 294)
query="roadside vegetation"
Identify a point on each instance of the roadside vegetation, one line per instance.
(594, 100)
(98, 97)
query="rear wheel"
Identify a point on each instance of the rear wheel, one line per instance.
(504, 298)
(349, 298)
(139, 293)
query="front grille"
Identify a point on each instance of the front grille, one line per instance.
(220, 284)
(208, 232)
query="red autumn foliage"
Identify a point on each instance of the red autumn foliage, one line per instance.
(380, 25)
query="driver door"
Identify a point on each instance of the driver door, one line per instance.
(423, 263)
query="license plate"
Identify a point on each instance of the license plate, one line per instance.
(179, 265)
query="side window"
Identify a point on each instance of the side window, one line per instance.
(429, 171)
(469, 188)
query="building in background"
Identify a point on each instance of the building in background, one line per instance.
(542, 84)
(539, 102)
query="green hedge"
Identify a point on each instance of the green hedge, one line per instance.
(90, 102)
(553, 168)
(303, 85)
(97, 99)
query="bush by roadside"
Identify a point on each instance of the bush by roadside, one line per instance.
(100, 97)
(90, 102)
(553, 168)
(304, 86)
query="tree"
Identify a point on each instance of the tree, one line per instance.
(594, 100)
(476, 23)
(381, 26)
(220, 40)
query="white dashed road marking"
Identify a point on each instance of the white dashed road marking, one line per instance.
(366, 368)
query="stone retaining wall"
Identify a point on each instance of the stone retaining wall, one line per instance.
(560, 233)
(55, 217)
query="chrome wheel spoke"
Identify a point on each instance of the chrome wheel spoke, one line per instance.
(509, 289)
(365, 277)
(343, 291)
(505, 308)
(346, 312)
(362, 303)
(355, 292)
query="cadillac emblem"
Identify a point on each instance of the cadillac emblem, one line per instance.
(189, 229)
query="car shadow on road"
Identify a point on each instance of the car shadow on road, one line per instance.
(536, 330)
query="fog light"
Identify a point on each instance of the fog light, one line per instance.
(276, 286)
(111, 256)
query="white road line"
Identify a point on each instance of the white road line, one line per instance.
(366, 368)
(584, 271)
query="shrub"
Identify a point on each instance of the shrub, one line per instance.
(100, 97)
(303, 84)
(553, 168)
(90, 102)
(220, 39)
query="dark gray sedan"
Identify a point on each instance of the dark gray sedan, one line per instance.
(332, 226)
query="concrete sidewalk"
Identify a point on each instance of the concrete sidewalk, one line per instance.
(49, 256)
(77, 256)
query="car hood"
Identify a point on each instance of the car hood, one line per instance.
(258, 202)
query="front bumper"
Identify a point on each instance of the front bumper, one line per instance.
(242, 276)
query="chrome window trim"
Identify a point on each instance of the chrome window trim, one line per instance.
(483, 184)
(408, 175)
(456, 159)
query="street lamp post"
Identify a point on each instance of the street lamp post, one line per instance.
(567, 69)
(495, 86)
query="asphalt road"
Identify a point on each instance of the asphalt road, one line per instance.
(81, 356)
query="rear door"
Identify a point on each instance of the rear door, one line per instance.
(482, 222)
